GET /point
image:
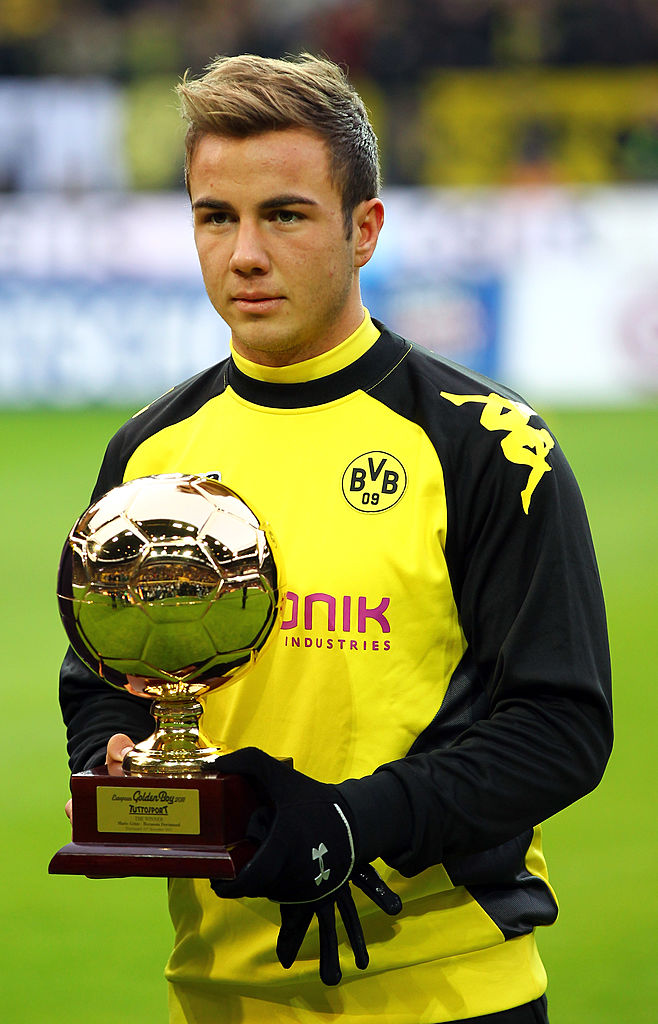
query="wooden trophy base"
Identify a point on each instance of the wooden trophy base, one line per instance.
(157, 826)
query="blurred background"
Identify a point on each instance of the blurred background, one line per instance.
(520, 151)
(519, 145)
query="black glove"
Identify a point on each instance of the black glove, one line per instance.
(305, 839)
(307, 854)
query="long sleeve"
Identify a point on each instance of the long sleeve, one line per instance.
(93, 711)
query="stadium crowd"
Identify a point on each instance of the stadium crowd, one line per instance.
(387, 40)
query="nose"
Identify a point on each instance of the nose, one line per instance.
(249, 254)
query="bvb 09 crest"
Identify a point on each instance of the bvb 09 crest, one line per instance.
(374, 482)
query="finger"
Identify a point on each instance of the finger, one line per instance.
(69, 810)
(118, 746)
(330, 972)
(353, 927)
(295, 921)
(367, 879)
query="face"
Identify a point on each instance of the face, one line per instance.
(270, 234)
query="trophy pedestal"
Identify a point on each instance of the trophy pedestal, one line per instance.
(151, 826)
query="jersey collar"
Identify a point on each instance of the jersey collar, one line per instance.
(361, 373)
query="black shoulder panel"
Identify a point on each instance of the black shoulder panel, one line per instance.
(172, 407)
(426, 373)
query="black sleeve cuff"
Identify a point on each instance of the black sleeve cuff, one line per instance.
(380, 814)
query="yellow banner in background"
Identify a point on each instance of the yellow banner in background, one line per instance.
(538, 126)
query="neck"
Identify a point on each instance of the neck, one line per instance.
(312, 368)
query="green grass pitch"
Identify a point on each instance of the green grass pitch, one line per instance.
(94, 951)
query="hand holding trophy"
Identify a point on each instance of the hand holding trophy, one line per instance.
(168, 587)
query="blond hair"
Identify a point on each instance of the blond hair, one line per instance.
(248, 95)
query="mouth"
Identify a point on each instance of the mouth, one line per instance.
(257, 303)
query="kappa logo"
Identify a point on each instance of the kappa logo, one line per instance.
(374, 482)
(318, 854)
(522, 444)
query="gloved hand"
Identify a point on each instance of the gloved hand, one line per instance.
(307, 854)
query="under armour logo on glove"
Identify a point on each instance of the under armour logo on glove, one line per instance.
(318, 854)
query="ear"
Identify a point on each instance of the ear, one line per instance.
(368, 219)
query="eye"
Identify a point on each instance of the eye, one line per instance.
(218, 217)
(287, 216)
(214, 218)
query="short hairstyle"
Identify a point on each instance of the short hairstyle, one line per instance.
(248, 95)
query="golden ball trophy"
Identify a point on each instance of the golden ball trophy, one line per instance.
(169, 587)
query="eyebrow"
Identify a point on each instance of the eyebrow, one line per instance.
(273, 203)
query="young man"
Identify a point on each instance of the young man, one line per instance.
(441, 678)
